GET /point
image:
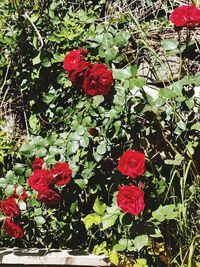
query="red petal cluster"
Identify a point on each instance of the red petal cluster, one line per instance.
(49, 196)
(93, 79)
(72, 59)
(9, 207)
(40, 177)
(42, 180)
(186, 16)
(61, 173)
(13, 229)
(132, 163)
(37, 163)
(130, 199)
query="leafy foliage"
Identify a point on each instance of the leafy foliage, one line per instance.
(57, 119)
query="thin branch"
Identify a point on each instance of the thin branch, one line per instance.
(38, 33)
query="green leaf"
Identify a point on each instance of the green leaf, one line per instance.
(19, 190)
(177, 160)
(141, 261)
(99, 207)
(34, 17)
(40, 220)
(22, 205)
(121, 38)
(163, 213)
(39, 142)
(140, 241)
(41, 152)
(9, 190)
(167, 93)
(100, 249)
(84, 141)
(122, 74)
(97, 156)
(34, 123)
(196, 126)
(72, 147)
(113, 209)
(2, 217)
(53, 150)
(97, 100)
(101, 148)
(80, 130)
(46, 62)
(19, 169)
(169, 44)
(3, 182)
(109, 220)
(10, 177)
(113, 257)
(36, 60)
(91, 219)
(122, 245)
(107, 40)
(81, 183)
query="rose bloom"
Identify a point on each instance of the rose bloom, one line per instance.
(12, 229)
(9, 207)
(186, 16)
(61, 173)
(40, 178)
(37, 163)
(72, 59)
(99, 81)
(23, 196)
(79, 72)
(130, 199)
(132, 163)
(49, 196)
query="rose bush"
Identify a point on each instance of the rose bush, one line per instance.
(106, 165)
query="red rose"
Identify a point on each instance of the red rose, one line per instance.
(72, 59)
(132, 163)
(12, 229)
(23, 196)
(37, 164)
(99, 81)
(49, 196)
(9, 207)
(79, 72)
(186, 16)
(130, 199)
(40, 178)
(61, 173)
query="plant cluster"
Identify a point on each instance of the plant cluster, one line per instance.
(107, 165)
